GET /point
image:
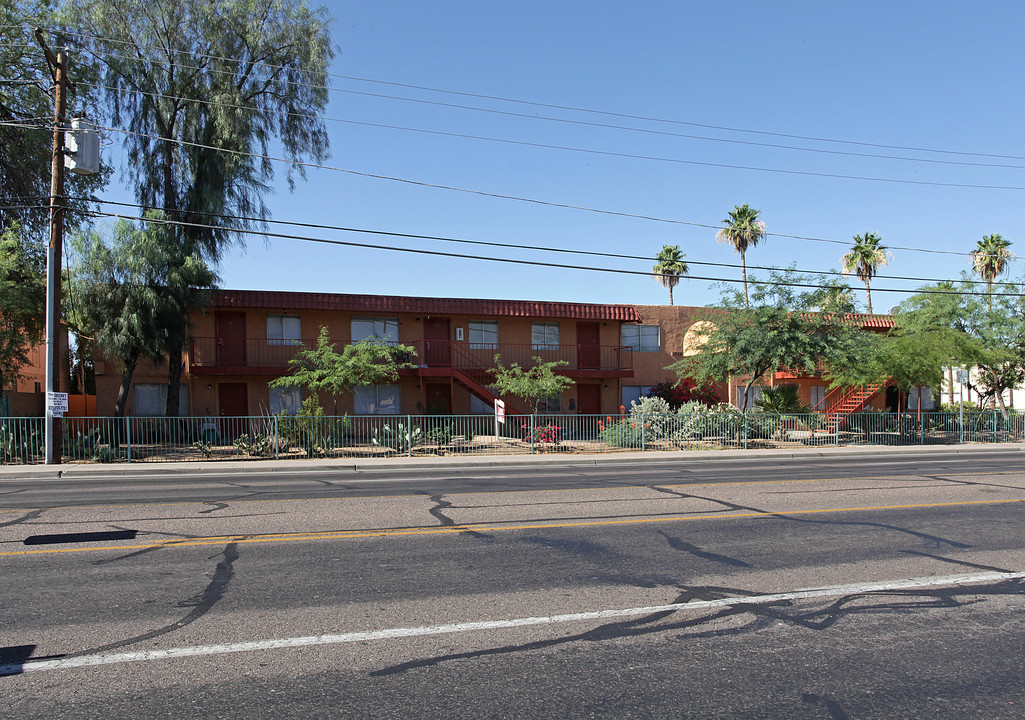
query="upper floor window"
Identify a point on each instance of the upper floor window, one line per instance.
(483, 335)
(544, 335)
(642, 338)
(386, 329)
(284, 330)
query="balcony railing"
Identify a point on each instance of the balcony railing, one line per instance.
(266, 353)
(470, 357)
(211, 354)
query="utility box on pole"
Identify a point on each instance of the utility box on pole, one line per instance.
(82, 148)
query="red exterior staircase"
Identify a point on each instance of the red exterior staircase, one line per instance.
(841, 402)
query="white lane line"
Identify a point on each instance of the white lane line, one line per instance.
(392, 633)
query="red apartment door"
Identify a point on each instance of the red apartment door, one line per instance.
(589, 399)
(587, 346)
(230, 328)
(437, 342)
(233, 406)
(438, 397)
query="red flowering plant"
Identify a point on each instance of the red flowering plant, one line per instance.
(683, 391)
(550, 433)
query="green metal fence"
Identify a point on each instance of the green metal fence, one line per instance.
(284, 437)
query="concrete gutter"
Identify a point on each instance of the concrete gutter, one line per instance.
(398, 464)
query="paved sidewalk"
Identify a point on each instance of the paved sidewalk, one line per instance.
(354, 465)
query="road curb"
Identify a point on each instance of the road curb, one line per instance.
(354, 466)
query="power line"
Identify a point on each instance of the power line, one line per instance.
(520, 246)
(534, 103)
(514, 197)
(513, 261)
(312, 116)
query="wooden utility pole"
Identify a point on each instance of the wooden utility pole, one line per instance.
(59, 65)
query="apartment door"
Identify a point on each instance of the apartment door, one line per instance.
(587, 346)
(438, 397)
(589, 399)
(233, 407)
(230, 329)
(437, 342)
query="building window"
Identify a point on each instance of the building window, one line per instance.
(551, 405)
(928, 399)
(641, 338)
(285, 400)
(284, 330)
(483, 335)
(544, 335)
(752, 397)
(479, 407)
(150, 399)
(633, 393)
(818, 398)
(376, 399)
(385, 329)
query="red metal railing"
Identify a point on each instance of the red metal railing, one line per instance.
(207, 352)
(471, 357)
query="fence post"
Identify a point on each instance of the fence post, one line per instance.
(409, 435)
(644, 435)
(277, 440)
(532, 433)
(994, 421)
(921, 429)
(128, 436)
(745, 431)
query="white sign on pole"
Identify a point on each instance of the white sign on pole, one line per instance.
(962, 377)
(57, 403)
(500, 411)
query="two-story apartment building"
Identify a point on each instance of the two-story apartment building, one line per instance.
(244, 339)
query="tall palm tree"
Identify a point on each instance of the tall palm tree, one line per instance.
(990, 258)
(742, 229)
(669, 268)
(865, 258)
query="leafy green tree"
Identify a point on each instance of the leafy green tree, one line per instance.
(324, 369)
(22, 301)
(864, 260)
(131, 293)
(990, 258)
(742, 230)
(670, 266)
(206, 92)
(535, 385)
(834, 296)
(779, 332)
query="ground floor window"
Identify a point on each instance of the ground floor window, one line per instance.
(150, 399)
(479, 407)
(818, 398)
(551, 405)
(376, 399)
(928, 400)
(752, 397)
(633, 393)
(285, 400)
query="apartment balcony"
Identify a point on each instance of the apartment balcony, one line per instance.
(249, 356)
(441, 357)
(263, 356)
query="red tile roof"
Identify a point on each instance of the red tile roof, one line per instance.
(419, 305)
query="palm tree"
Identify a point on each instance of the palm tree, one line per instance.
(865, 258)
(669, 268)
(742, 229)
(990, 258)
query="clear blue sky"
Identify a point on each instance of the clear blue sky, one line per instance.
(934, 75)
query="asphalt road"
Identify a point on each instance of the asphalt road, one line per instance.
(647, 591)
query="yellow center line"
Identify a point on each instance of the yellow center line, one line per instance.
(449, 529)
(512, 492)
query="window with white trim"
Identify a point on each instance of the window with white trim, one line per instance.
(483, 335)
(385, 329)
(641, 338)
(376, 399)
(150, 399)
(544, 335)
(284, 330)
(285, 400)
